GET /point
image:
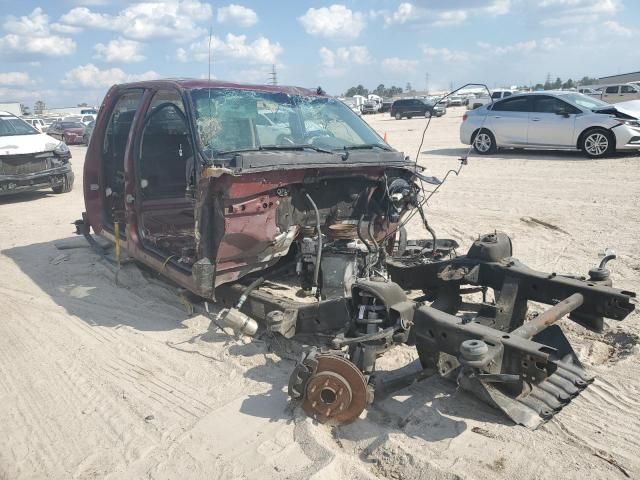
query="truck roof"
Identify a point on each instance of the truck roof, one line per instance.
(193, 83)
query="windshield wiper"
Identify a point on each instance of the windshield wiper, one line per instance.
(368, 146)
(303, 146)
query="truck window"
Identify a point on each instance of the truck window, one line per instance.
(115, 144)
(166, 153)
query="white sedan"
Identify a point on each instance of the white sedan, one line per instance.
(553, 120)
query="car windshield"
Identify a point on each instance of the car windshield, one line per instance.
(231, 120)
(14, 126)
(71, 125)
(584, 101)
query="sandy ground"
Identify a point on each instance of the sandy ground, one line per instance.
(99, 380)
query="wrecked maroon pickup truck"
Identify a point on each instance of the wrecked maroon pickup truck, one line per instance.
(240, 193)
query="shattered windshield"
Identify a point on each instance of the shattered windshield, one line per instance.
(230, 120)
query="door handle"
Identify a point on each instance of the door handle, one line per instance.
(535, 119)
(497, 116)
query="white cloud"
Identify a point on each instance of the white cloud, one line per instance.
(395, 64)
(336, 62)
(357, 55)
(614, 27)
(174, 19)
(30, 36)
(446, 55)
(68, 29)
(261, 50)
(237, 14)
(576, 12)
(336, 21)
(450, 17)
(120, 50)
(440, 17)
(529, 46)
(90, 76)
(15, 78)
(404, 13)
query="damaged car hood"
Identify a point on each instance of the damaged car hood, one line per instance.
(21, 144)
(629, 109)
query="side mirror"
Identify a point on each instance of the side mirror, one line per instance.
(562, 111)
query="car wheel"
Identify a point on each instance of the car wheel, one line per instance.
(398, 116)
(484, 142)
(85, 139)
(597, 143)
(66, 186)
(427, 114)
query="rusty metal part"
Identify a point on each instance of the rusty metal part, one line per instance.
(550, 316)
(337, 391)
(308, 231)
(343, 231)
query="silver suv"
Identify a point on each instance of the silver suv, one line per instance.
(555, 120)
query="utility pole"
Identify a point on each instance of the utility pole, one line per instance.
(426, 82)
(273, 76)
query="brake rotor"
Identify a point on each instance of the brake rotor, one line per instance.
(337, 392)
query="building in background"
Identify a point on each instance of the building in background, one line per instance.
(11, 107)
(621, 78)
(70, 111)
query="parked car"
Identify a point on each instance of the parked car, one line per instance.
(496, 94)
(553, 119)
(618, 93)
(87, 119)
(456, 101)
(37, 123)
(88, 131)
(588, 91)
(69, 132)
(370, 106)
(31, 160)
(386, 106)
(414, 107)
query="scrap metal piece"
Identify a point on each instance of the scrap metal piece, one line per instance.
(336, 392)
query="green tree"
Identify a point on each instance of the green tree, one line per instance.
(380, 90)
(359, 90)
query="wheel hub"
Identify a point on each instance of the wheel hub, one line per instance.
(336, 392)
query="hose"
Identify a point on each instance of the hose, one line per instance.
(316, 271)
(247, 291)
(360, 234)
(429, 229)
(371, 231)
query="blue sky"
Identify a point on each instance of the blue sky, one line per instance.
(71, 51)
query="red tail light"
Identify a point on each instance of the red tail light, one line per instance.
(464, 117)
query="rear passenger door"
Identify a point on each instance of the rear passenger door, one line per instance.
(552, 122)
(414, 108)
(509, 119)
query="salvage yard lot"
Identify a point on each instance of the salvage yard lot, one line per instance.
(103, 379)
